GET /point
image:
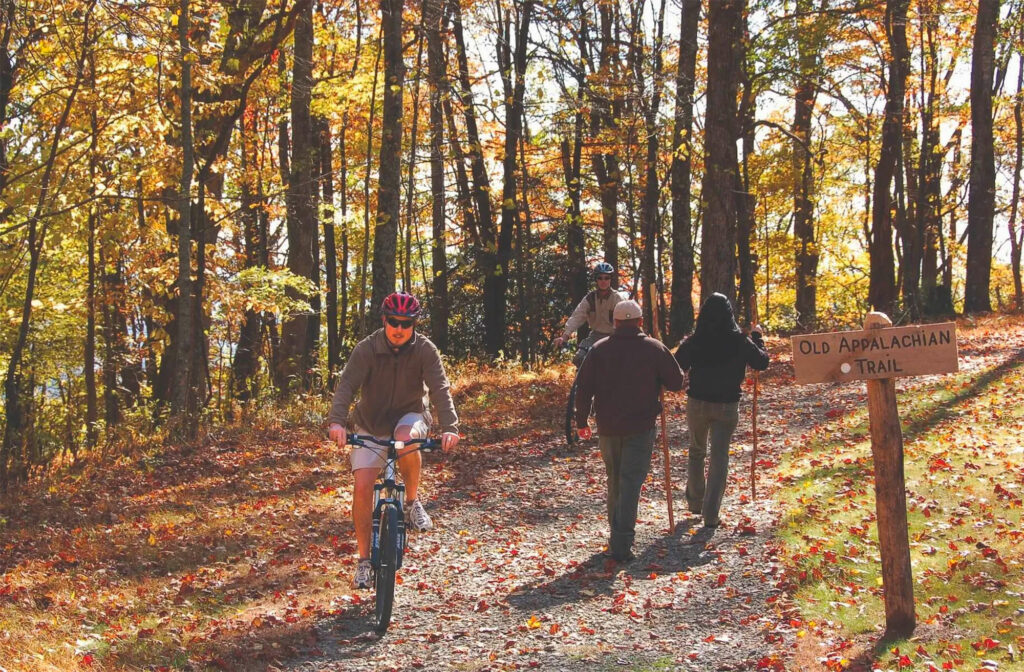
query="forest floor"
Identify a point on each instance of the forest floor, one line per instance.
(237, 553)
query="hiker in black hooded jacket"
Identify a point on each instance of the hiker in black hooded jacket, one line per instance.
(716, 355)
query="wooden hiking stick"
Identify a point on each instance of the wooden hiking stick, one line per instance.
(753, 408)
(664, 434)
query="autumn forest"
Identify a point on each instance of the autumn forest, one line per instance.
(202, 203)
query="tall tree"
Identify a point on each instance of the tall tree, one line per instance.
(649, 219)
(385, 231)
(882, 287)
(298, 332)
(512, 62)
(746, 232)
(607, 96)
(721, 174)
(438, 81)
(929, 198)
(1015, 228)
(809, 36)
(982, 190)
(183, 406)
(92, 223)
(681, 313)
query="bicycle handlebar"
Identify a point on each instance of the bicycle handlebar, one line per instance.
(425, 445)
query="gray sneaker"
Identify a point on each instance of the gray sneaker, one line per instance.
(418, 517)
(364, 575)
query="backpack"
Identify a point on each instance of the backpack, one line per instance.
(591, 298)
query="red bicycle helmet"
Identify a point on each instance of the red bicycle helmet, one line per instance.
(401, 305)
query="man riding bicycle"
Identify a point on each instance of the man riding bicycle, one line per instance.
(595, 309)
(394, 370)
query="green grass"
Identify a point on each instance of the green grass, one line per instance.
(964, 471)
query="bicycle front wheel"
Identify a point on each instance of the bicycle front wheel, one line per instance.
(384, 577)
(571, 438)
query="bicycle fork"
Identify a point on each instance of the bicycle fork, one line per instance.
(379, 501)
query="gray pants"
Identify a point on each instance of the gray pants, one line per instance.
(627, 460)
(717, 421)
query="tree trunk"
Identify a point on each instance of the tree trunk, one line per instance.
(576, 266)
(182, 404)
(343, 323)
(982, 194)
(385, 231)
(882, 283)
(929, 206)
(1016, 232)
(326, 175)
(439, 309)
(481, 188)
(604, 124)
(529, 322)
(496, 280)
(245, 366)
(368, 322)
(718, 238)
(405, 251)
(745, 201)
(803, 172)
(92, 222)
(297, 357)
(649, 220)
(681, 312)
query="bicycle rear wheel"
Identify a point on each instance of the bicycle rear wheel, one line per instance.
(571, 438)
(384, 577)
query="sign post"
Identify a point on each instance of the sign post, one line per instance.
(877, 355)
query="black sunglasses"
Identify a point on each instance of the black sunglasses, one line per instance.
(400, 324)
(604, 277)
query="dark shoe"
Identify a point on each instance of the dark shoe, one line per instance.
(713, 524)
(619, 557)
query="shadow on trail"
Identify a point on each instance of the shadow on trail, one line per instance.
(947, 409)
(597, 575)
(591, 578)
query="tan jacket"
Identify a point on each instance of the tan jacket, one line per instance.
(599, 319)
(392, 384)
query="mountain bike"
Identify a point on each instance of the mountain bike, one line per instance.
(571, 438)
(387, 541)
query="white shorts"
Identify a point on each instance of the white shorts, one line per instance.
(373, 458)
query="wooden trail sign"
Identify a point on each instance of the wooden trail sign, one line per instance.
(877, 355)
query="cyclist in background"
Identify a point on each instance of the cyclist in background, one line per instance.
(595, 309)
(393, 370)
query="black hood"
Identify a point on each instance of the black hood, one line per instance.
(716, 334)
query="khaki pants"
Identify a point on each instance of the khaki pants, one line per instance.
(711, 427)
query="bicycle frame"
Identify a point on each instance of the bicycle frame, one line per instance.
(388, 490)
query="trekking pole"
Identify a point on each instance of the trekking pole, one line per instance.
(664, 434)
(753, 408)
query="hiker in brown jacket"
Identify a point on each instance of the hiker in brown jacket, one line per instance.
(623, 375)
(394, 370)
